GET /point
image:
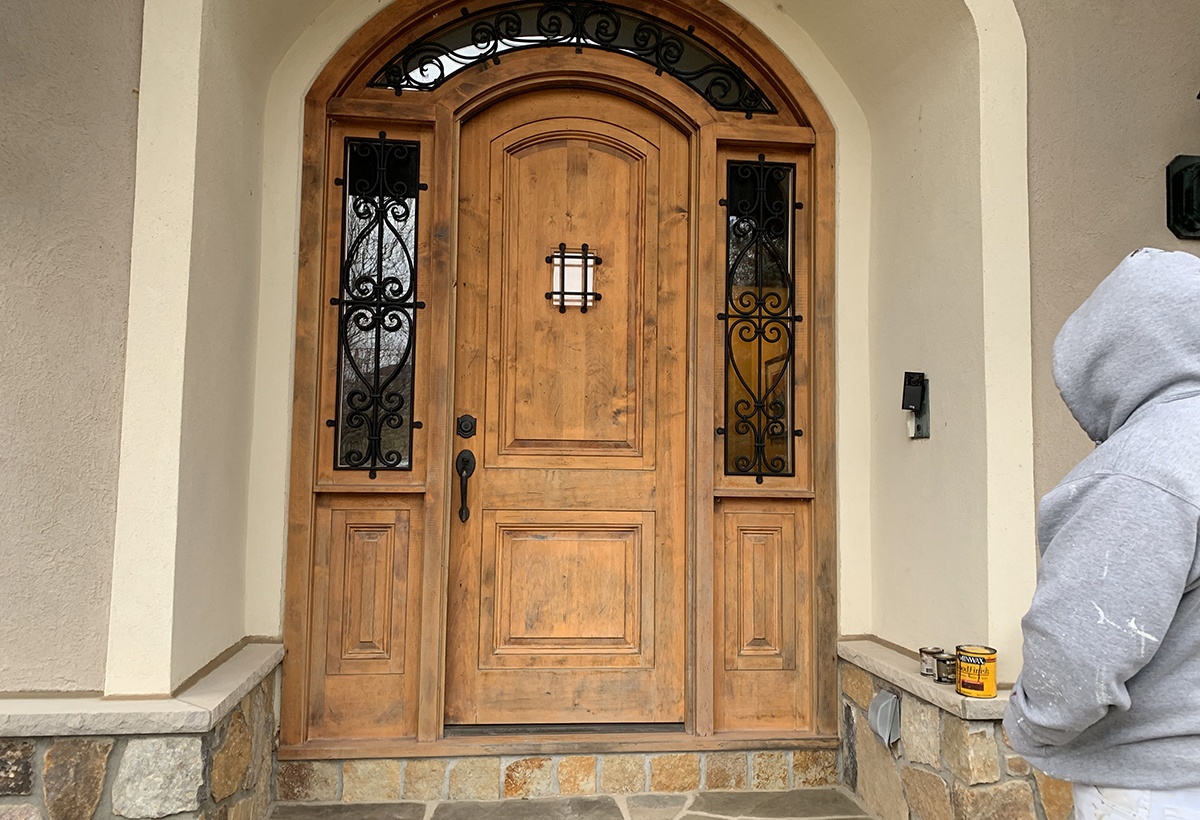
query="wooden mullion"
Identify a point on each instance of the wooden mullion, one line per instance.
(441, 431)
(703, 391)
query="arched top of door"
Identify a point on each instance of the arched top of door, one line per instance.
(417, 53)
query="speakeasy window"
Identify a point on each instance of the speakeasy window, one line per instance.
(377, 306)
(759, 318)
(484, 36)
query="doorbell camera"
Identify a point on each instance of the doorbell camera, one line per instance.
(914, 391)
(916, 401)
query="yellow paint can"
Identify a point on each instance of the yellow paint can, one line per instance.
(976, 674)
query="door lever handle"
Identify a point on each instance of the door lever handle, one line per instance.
(464, 465)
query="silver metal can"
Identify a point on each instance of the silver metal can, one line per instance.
(928, 665)
(946, 669)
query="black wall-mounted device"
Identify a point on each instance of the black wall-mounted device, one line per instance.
(1183, 197)
(916, 401)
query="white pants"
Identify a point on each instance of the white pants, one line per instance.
(1092, 803)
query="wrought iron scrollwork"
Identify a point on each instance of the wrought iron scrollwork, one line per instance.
(485, 36)
(377, 306)
(759, 319)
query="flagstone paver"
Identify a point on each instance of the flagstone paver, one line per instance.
(357, 811)
(802, 804)
(793, 805)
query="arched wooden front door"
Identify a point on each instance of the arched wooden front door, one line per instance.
(562, 440)
(567, 593)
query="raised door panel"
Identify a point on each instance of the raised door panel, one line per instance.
(760, 621)
(574, 388)
(565, 191)
(763, 615)
(567, 590)
(366, 551)
(368, 570)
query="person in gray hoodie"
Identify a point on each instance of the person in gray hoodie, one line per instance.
(1109, 694)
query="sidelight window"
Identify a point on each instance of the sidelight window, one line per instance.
(759, 318)
(377, 304)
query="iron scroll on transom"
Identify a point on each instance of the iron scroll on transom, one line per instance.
(484, 36)
(578, 268)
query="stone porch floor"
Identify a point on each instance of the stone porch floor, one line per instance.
(802, 804)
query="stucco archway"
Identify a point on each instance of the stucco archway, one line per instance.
(202, 494)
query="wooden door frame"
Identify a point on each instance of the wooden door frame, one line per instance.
(339, 94)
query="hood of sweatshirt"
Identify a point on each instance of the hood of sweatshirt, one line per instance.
(1134, 342)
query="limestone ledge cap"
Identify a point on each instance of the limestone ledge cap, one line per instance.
(903, 671)
(193, 711)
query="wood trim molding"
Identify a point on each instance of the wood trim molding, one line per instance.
(560, 744)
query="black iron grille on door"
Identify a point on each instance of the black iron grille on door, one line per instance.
(760, 318)
(377, 306)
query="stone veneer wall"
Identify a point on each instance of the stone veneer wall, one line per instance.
(224, 773)
(943, 767)
(492, 778)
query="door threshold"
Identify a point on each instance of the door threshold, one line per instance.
(544, 729)
(615, 742)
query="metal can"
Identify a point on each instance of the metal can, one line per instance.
(976, 674)
(945, 665)
(928, 665)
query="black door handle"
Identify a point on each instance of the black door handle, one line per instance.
(464, 465)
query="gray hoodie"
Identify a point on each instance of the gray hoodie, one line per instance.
(1110, 690)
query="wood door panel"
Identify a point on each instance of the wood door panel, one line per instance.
(365, 620)
(563, 696)
(576, 489)
(556, 395)
(368, 568)
(567, 590)
(763, 614)
(760, 622)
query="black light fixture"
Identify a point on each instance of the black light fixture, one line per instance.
(1183, 197)
(916, 401)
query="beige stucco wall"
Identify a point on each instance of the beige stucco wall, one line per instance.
(1112, 99)
(180, 547)
(199, 540)
(925, 74)
(929, 497)
(68, 80)
(219, 357)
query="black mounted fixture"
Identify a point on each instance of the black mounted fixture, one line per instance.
(916, 401)
(1183, 197)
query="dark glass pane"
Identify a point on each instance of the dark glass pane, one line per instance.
(477, 38)
(759, 319)
(377, 306)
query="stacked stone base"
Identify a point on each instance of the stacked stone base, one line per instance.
(494, 778)
(943, 767)
(224, 773)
